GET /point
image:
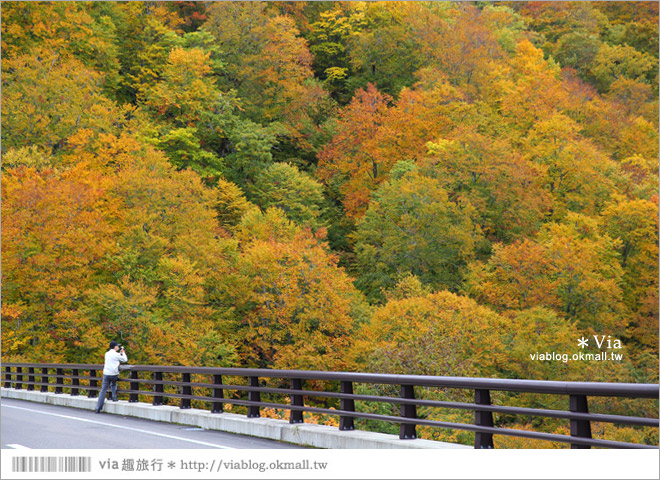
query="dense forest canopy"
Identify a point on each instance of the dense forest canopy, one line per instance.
(412, 187)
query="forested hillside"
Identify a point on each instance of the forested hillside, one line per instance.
(409, 187)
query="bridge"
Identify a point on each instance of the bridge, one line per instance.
(206, 396)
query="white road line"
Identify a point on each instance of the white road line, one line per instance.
(16, 446)
(122, 427)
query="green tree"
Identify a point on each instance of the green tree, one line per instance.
(621, 61)
(146, 32)
(411, 227)
(294, 192)
(183, 148)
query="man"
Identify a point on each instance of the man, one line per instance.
(113, 357)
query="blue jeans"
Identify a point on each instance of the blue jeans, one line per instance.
(108, 380)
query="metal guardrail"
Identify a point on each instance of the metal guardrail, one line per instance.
(69, 376)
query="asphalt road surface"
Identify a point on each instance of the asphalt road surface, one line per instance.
(29, 425)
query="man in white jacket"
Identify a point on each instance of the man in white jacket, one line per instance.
(113, 357)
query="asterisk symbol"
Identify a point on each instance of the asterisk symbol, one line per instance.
(583, 342)
(171, 465)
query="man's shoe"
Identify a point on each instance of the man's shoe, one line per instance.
(98, 410)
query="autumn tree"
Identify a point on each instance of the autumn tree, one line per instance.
(577, 174)
(171, 267)
(527, 88)
(296, 306)
(347, 159)
(58, 235)
(569, 268)
(184, 89)
(267, 62)
(635, 224)
(435, 334)
(47, 96)
(478, 168)
(67, 29)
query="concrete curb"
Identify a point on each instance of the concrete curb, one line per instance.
(319, 436)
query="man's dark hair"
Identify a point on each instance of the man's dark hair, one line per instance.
(113, 344)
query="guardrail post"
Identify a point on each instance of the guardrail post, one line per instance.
(254, 396)
(19, 378)
(45, 380)
(92, 393)
(296, 416)
(135, 386)
(347, 405)
(187, 390)
(483, 419)
(158, 388)
(579, 428)
(408, 430)
(30, 379)
(59, 380)
(218, 407)
(7, 377)
(75, 382)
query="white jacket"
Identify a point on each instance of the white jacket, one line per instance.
(112, 361)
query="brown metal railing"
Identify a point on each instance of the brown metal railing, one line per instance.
(69, 377)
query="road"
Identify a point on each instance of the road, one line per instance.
(29, 425)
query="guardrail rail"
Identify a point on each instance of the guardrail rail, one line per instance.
(87, 377)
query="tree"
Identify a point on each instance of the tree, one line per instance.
(505, 189)
(466, 46)
(347, 158)
(621, 61)
(526, 88)
(295, 304)
(185, 88)
(569, 268)
(69, 29)
(578, 175)
(411, 227)
(635, 224)
(231, 204)
(297, 194)
(384, 50)
(266, 62)
(58, 235)
(183, 148)
(48, 96)
(173, 268)
(435, 334)
(578, 50)
(329, 38)
(146, 31)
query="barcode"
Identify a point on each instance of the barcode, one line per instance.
(51, 464)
